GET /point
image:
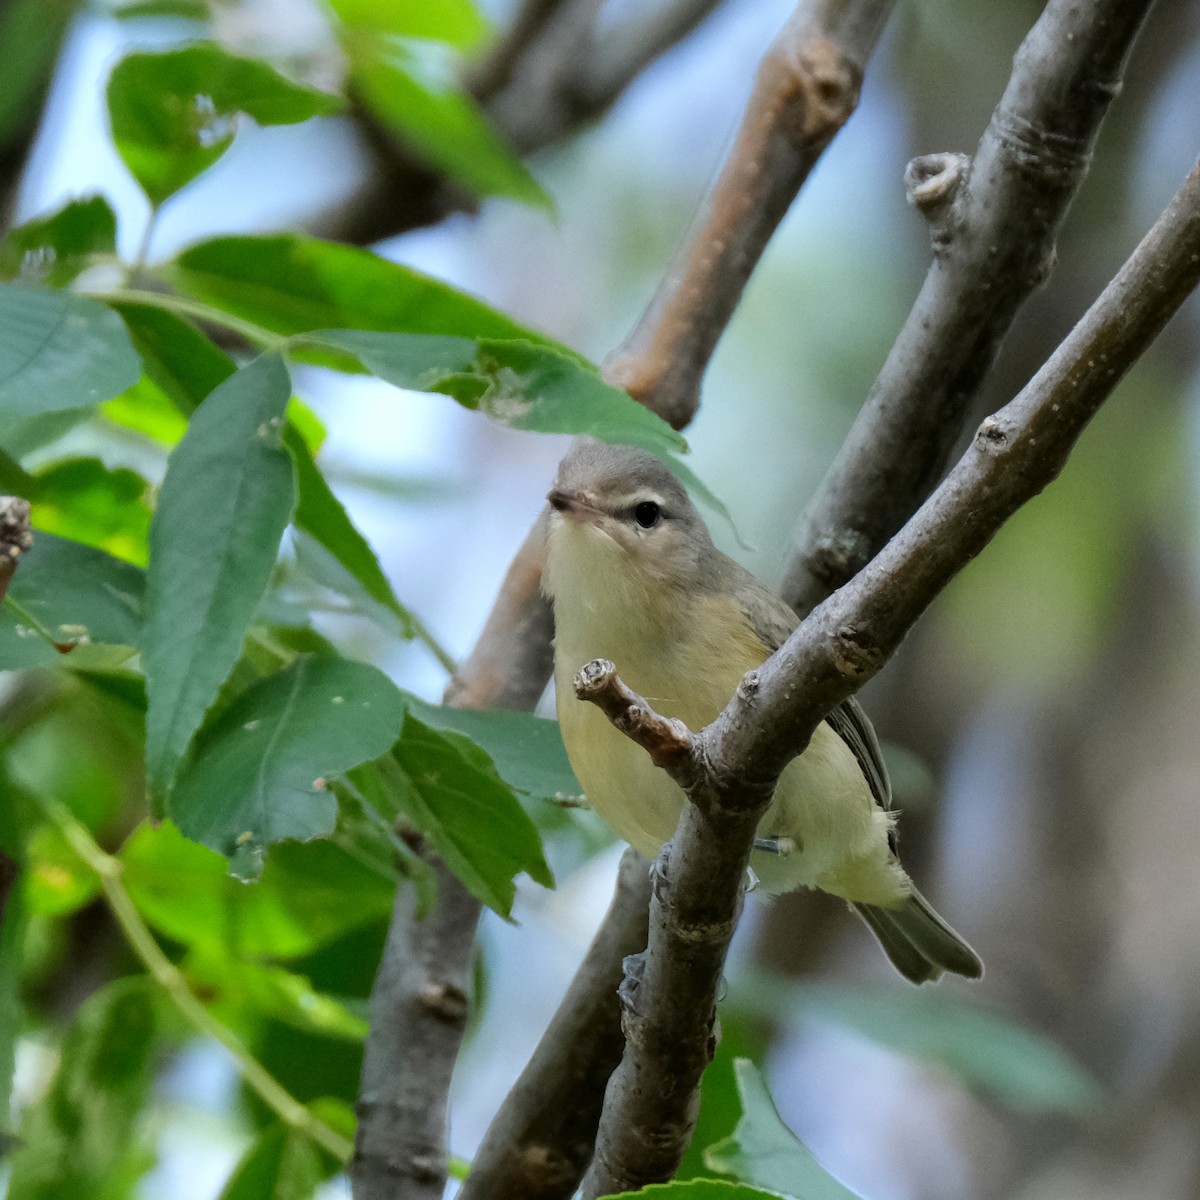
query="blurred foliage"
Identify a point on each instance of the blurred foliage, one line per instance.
(208, 799)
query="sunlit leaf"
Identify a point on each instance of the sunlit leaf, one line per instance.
(412, 87)
(289, 283)
(703, 1189)
(54, 249)
(57, 882)
(259, 775)
(456, 22)
(81, 1141)
(764, 1151)
(281, 1164)
(222, 510)
(59, 351)
(174, 113)
(146, 409)
(82, 499)
(308, 895)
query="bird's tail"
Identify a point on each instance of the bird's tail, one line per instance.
(920, 944)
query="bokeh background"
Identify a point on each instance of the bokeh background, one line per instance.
(1043, 719)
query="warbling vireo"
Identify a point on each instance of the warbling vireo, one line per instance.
(634, 577)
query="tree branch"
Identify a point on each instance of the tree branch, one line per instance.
(731, 768)
(544, 1134)
(993, 227)
(805, 90)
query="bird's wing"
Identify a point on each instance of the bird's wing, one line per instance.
(772, 620)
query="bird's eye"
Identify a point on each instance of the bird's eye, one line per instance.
(647, 514)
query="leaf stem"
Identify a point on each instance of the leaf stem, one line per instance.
(424, 634)
(27, 618)
(171, 979)
(197, 309)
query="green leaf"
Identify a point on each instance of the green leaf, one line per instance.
(31, 37)
(309, 894)
(146, 409)
(180, 359)
(289, 283)
(81, 1141)
(1022, 1069)
(174, 113)
(764, 1151)
(77, 593)
(517, 383)
(57, 882)
(53, 250)
(527, 751)
(320, 514)
(224, 504)
(456, 22)
(14, 479)
(280, 1165)
(13, 919)
(59, 351)
(188, 10)
(82, 499)
(259, 775)
(450, 791)
(412, 88)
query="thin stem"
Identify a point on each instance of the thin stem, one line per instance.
(170, 978)
(200, 311)
(425, 635)
(27, 618)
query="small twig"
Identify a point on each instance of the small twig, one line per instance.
(496, 69)
(993, 229)
(806, 88)
(543, 1137)
(845, 641)
(418, 1014)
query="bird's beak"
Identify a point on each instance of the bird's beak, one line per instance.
(572, 504)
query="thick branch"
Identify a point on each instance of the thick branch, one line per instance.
(993, 230)
(845, 641)
(806, 88)
(536, 1147)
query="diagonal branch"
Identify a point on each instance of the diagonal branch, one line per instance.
(730, 769)
(993, 227)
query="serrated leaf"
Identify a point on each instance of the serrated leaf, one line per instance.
(309, 894)
(224, 504)
(1024, 1070)
(281, 1164)
(259, 775)
(320, 514)
(174, 113)
(527, 751)
(59, 351)
(412, 87)
(289, 283)
(519, 383)
(449, 789)
(765, 1152)
(53, 250)
(77, 593)
(80, 1142)
(82, 499)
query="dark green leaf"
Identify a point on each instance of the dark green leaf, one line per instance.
(188, 10)
(59, 351)
(1028, 1072)
(280, 1165)
(180, 359)
(309, 894)
(527, 751)
(224, 504)
(12, 940)
(259, 775)
(456, 22)
(54, 249)
(320, 514)
(450, 791)
(82, 499)
(764, 1151)
(80, 1142)
(174, 113)
(31, 35)
(412, 87)
(77, 593)
(14, 479)
(290, 284)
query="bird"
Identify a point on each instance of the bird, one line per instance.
(634, 577)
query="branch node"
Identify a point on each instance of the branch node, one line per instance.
(748, 688)
(444, 1001)
(817, 85)
(837, 555)
(854, 654)
(991, 436)
(932, 181)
